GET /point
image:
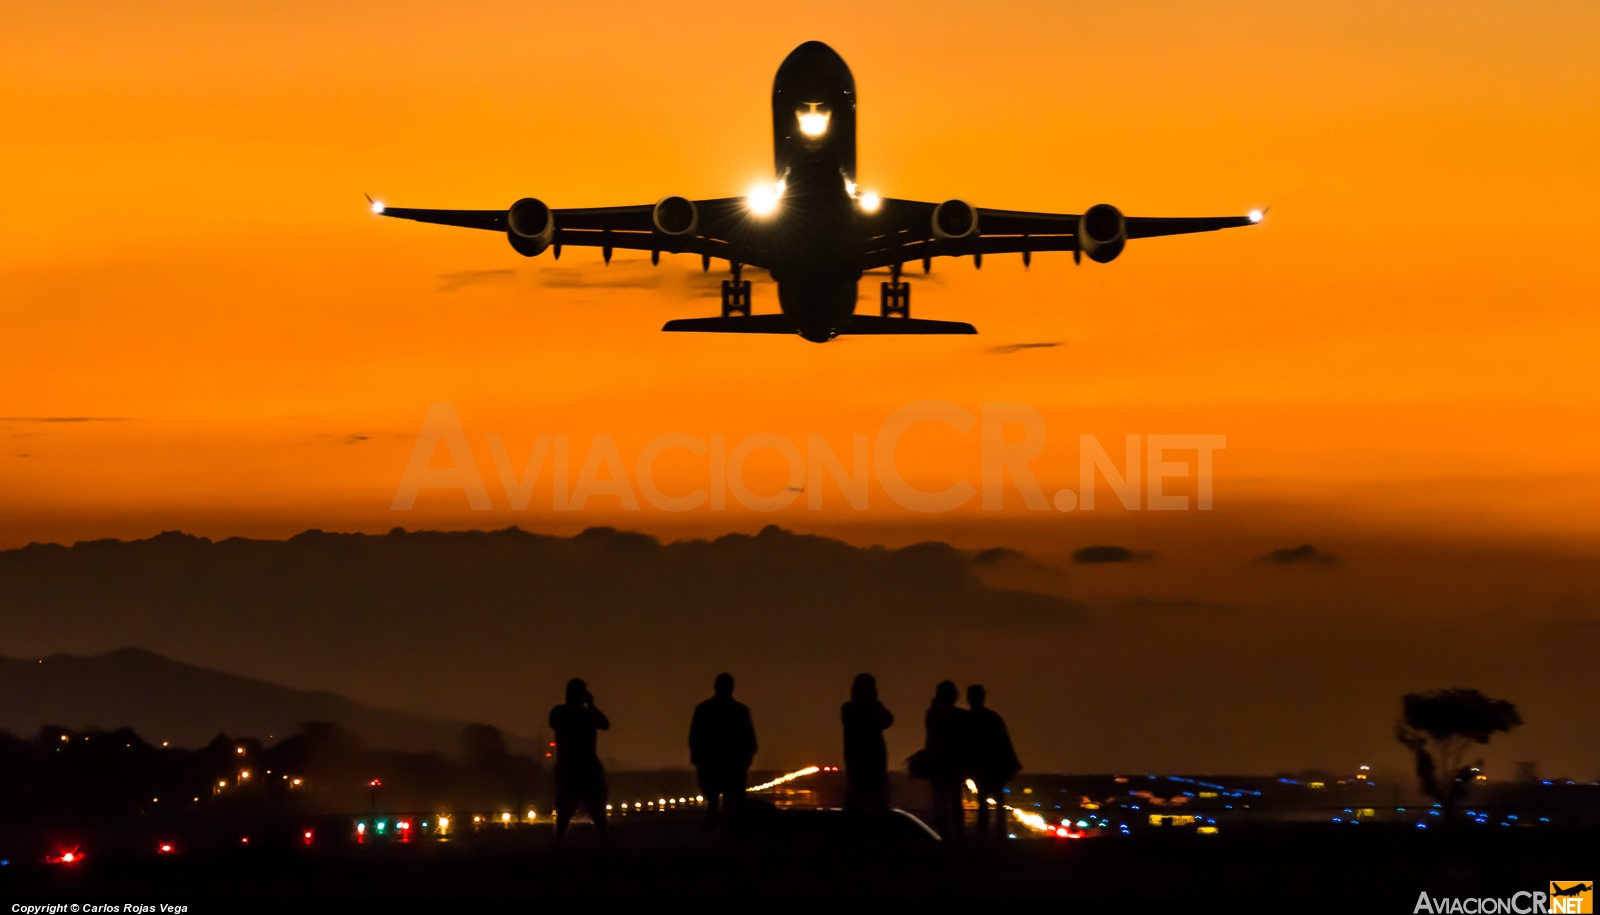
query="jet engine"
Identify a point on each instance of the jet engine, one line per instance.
(955, 219)
(1102, 233)
(675, 217)
(531, 226)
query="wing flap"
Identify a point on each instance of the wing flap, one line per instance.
(983, 244)
(1156, 226)
(490, 220)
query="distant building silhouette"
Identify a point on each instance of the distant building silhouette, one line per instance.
(944, 761)
(866, 757)
(990, 758)
(579, 776)
(722, 743)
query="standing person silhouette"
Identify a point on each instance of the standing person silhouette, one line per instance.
(991, 759)
(945, 752)
(722, 742)
(579, 776)
(866, 758)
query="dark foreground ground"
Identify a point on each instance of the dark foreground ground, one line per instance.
(1376, 867)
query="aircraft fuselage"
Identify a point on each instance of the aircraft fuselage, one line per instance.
(812, 237)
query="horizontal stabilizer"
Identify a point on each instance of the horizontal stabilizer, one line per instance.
(876, 324)
(780, 324)
(749, 324)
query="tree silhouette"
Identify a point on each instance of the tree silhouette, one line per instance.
(1439, 727)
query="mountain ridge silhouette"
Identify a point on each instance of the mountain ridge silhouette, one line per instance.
(167, 700)
(488, 625)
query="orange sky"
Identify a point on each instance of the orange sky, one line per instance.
(1405, 348)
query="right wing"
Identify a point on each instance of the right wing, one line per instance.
(723, 231)
(906, 232)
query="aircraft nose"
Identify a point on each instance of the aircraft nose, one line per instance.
(813, 52)
(816, 334)
(816, 59)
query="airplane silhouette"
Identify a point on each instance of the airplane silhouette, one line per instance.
(1577, 889)
(813, 228)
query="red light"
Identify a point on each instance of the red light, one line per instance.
(376, 783)
(245, 840)
(66, 857)
(166, 848)
(308, 836)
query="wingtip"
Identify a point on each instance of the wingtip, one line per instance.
(377, 205)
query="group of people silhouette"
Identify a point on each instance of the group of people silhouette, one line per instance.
(962, 744)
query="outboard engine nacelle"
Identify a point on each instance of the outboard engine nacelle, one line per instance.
(955, 219)
(1102, 233)
(531, 226)
(677, 219)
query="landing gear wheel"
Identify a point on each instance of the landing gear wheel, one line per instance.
(895, 300)
(735, 298)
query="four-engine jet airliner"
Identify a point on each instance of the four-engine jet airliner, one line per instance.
(813, 228)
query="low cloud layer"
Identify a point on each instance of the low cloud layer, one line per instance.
(1304, 553)
(63, 419)
(1008, 348)
(461, 279)
(1093, 555)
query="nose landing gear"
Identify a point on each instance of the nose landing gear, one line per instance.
(736, 295)
(895, 296)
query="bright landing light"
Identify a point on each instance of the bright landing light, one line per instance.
(814, 123)
(1255, 215)
(377, 206)
(763, 199)
(870, 202)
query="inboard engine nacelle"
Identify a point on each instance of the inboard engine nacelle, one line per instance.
(1102, 233)
(531, 226)
(955, 219)
(676, 218)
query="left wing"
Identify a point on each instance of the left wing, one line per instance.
(907, 232)
(722, 231)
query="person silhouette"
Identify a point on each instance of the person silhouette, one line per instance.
(579, 776)
(722, 742)
(944, 753)
(991, 760)
(866, 758)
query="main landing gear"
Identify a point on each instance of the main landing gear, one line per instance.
(736, 295)
(895, 296)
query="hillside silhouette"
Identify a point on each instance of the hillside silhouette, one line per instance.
(188, 706)
(488, 625)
